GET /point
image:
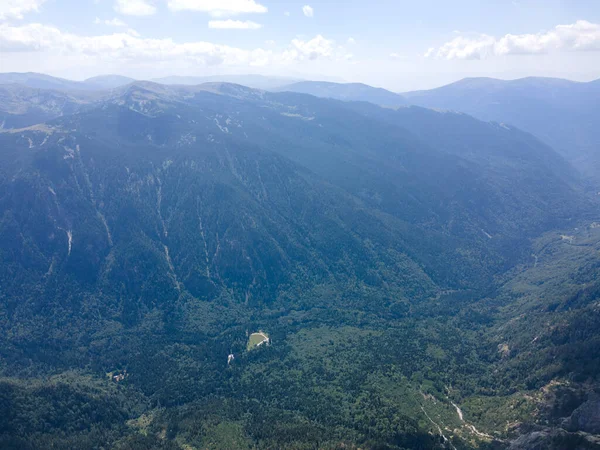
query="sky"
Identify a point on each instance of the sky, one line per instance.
(400, 45)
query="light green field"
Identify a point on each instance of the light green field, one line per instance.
(257, 339)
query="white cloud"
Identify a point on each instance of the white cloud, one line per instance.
(579, 36)
(122, 46)
(308, 11)
(429, 52)
(128, 48)
(287, 14)
(218, 8)
(116, 22)
(351, 41)
(234, 25)
(395, 55)
(316, 48)
(16, 9)
(135, 7)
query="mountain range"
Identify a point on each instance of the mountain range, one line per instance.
(561, 113)
(426, 279)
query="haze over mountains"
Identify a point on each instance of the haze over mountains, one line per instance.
(253, 81)
(561, 113)
(36, 80)
(41, 81)
(427, 279)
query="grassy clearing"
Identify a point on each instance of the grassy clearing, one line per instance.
(257, 339)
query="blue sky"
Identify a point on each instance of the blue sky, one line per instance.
(400, 45)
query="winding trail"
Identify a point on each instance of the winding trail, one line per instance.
(458, 411)
(468, 425)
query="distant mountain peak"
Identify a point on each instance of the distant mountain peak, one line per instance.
(43, 81)
(348, 92)
(108, 81)
(232, 90)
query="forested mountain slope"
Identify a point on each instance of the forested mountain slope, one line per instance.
(145, 233)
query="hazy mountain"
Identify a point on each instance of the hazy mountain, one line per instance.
(347, 92)
(560, 112)
(108, 81)
(40, 81)
(389, 254)
(253, 81)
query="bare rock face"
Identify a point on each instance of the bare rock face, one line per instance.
(577, 430)
(560, 401)
(586, 417)
(554, 439)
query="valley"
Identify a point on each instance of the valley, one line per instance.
(154, 231)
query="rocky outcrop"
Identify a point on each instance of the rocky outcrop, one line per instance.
(560, 401)
(586, 417)
(555, 439)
